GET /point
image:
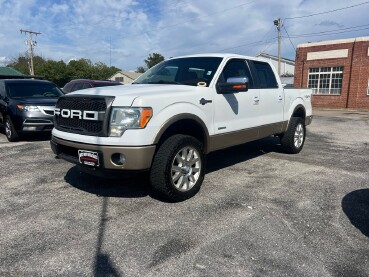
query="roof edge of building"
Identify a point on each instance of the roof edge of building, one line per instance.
(331, 42)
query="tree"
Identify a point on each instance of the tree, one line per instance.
(140, 69)
(61, 73)
(152, 59)
(55, 71)
(22, 63)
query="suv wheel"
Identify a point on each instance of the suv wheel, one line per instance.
(10, 132)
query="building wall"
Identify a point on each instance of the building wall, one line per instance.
(352, 55)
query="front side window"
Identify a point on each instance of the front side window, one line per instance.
(236, 68)
(326, 80)
(182, 71)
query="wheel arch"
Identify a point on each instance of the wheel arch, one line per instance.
(186, 124)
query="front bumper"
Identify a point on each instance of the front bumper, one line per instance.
(34, 121)
(137, 158)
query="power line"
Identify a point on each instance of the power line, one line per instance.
(289, 37)
(335, 10)
(331, 32)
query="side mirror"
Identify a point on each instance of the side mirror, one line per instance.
(234, 85)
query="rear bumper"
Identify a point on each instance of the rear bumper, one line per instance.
(136, 158)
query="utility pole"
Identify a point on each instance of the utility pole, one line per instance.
(31, 43)
(278, 24)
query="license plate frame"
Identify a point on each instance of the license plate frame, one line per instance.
(89, 158)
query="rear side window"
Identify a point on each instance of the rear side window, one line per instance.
(265, 75)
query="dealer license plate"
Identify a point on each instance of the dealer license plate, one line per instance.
(88, 158)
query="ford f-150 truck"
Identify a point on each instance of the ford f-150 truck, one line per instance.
(176, 113)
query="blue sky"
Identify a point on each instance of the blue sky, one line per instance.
(134, 28)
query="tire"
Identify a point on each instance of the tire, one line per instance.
(294, 138)
(178, 168)
(10, 132)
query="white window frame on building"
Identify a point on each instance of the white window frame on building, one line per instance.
(326, 80)
(367, 91)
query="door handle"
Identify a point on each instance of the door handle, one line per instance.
(256, 100)
(280, 98)
(203, 101)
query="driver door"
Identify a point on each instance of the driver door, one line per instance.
(237, 113)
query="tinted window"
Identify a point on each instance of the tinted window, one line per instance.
(78, 86)
(2, 89)
(28, 89)
(265, 75)
(106, 84)
(236, 68)
(86, 85)
(182, 71)
(68, 87)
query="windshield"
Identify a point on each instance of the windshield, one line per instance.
(33, 90)
(196, 71)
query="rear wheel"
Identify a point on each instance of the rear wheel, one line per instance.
(294, 138)
(178, 168)
(10, 132)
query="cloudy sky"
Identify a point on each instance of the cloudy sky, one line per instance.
(122, 33)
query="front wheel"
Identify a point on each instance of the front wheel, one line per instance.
(10, 132)
(294, 138)
(178, 168)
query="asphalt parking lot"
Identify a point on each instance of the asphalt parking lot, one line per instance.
(260, 212)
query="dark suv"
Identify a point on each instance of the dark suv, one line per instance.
(27, 106)
(79, 84)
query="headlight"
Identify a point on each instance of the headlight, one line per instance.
(122, 119)
(28, 108)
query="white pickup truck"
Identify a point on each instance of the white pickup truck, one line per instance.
(176, 113)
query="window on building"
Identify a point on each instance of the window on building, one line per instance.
(119, 79)
(326, 80)
(367, 91)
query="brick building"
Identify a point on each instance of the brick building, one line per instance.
(336, 70)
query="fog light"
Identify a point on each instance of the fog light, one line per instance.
(118, 159)
(29, 128)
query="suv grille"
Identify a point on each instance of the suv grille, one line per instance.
(81, 126)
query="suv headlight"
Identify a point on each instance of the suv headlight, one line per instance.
(122, 119)
(26, 108)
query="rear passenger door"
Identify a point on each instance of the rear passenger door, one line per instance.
(271, 98)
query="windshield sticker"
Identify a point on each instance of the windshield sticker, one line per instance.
(209, 73)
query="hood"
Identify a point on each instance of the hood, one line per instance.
(42, 101)
(128, 93)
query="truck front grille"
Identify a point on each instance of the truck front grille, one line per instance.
(78, 125)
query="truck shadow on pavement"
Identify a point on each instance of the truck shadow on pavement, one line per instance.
(356, 207)
(241, 153)
(130, 187)
(139, 186)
